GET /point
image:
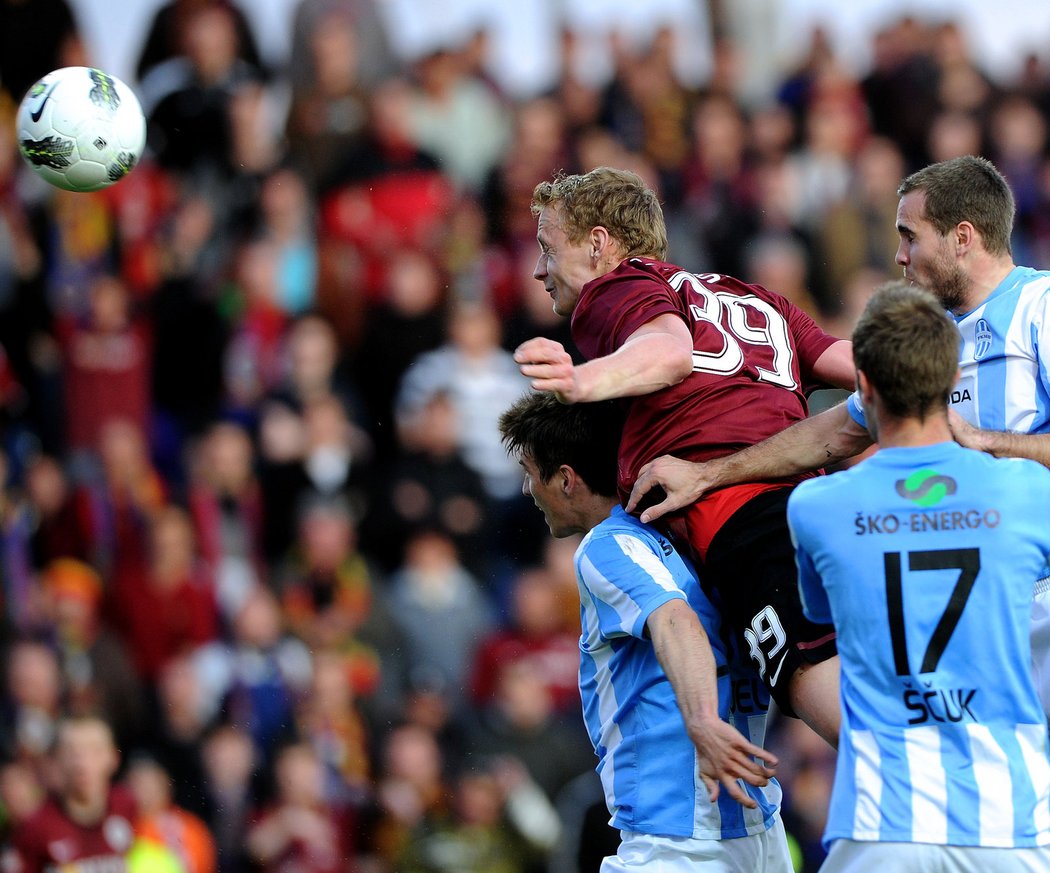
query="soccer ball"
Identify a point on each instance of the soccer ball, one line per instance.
(81, 129)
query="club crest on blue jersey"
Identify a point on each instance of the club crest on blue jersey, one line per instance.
(982, 339)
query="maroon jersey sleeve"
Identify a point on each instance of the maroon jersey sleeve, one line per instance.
(811, 341)
(614, 306)
(753, 358)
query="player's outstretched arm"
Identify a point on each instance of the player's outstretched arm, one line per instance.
(809, 444)
(655, 356)
(683, 650)
(1002, 444)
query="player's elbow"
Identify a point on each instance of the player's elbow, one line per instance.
(677, 367)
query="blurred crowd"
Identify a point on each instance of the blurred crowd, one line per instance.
(254, 506)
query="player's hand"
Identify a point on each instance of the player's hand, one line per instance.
(964, 433)
(683, 483)
(726, 756)
(550, 368)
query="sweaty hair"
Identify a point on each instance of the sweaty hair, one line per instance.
(908, 347)
(617, 200)
(584, 436)
(969, 189)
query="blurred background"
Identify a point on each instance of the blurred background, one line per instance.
(253, 504)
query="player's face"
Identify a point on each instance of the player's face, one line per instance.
(548, 497)
(87, 759)
(563, 267)
(926, 255)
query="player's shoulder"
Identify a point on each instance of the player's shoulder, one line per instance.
(821, 488)
(621, 523)
(1013, 474)
(1029, 287)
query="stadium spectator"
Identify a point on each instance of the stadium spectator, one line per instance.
(429, 484)
(33, 704)
(106, 365)
(226, 506)
(520, 722)
(410, 788)
(162, 821)
(165, 606)
(496, 820)
(304, 828)
(98, 675)
(329, 107)
(537, 634)
(187, 99)
(409, 320)
(329, 720)
(475, 372)
(255, 679)
(169, 29)
(50, 498)
(448, 98)
(180, 732)
(373, 55)
(441, 610)
(117, 502)
(857, 231)
(231, 793)
(86, 819)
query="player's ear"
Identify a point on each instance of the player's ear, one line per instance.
(568, 479)
(964, 236)
(864, 387)
(599, 239)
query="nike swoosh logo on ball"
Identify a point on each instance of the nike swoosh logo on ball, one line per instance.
(36, 113)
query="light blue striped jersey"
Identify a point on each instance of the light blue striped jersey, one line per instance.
(924, 559)
(648, 765)
(1004, 359)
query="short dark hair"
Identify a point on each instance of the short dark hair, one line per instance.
(967, 188)
(908, 348)
(584, 436)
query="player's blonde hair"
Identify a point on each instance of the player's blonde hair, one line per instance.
(617, 200)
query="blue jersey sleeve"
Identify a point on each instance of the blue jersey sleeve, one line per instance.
(626, 580)
(856, 410)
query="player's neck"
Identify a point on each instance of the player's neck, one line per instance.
(913, 432)
(86, 812)
(985, 277)
(597, 510)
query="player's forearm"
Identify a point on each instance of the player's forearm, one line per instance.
(684, 652)
(1003, 444)
(810, 444)
(641, 366)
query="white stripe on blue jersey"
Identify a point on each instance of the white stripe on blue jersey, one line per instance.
(924, 559)
(867, 819)
(648, 765)
(929, 792)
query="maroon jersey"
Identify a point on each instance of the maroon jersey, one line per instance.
(753, 357)
(50, 841)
